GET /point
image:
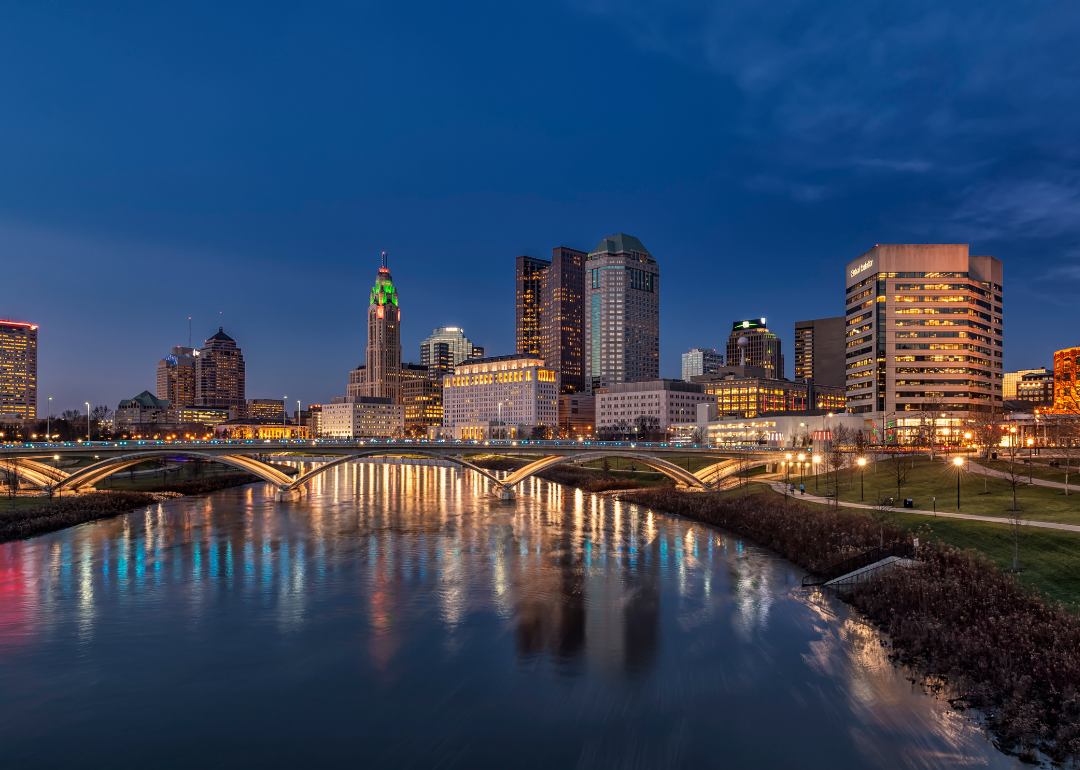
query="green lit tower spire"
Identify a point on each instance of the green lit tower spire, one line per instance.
(383, 369)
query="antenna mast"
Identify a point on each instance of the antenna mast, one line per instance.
(384, 260)
(189, 331)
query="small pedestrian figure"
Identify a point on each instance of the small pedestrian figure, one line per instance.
(793, 489)
(802, 489)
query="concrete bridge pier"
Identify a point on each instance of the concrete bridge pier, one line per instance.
(505, 494)
(290, 494)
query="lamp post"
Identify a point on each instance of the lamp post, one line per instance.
(56, 464)
(802, 469)
(787, 473)
(87, 420)
(298, 418)
(1030, 441)
(48, 422)
(284, 400)
(958, 462)
(816, 460)
(862, 474)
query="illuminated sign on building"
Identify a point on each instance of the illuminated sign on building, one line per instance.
(864, 266)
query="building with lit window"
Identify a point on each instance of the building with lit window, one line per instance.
(176, 377)
(445, 348)
(220, 375)
(422, 398)
(577, 415)
(550, 313)
(18, 370)
(381, 377)
(1036, 388)
(265, 409)
(254, 428)
(144, 409)
(1066, 385)
(819, 351)
(1011, 379)
(362, 417)
(752, 344)
(517, 389)
(671, 403)
(622, 313)
(737, 395)
(529, 275)
(701, 361)
(924, 331)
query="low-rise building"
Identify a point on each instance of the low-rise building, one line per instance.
(202, 415)
(143, 409)
(362, 417)
(1036, 388)
(577, 415)
(517, 389)
(266, 408)
(1067, 381)
(744, 392)
(653, 405)
(251, 428)
(780, 431)
(701, 361)
(421, 395)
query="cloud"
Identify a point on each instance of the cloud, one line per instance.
(1034, 208)
(798, 191)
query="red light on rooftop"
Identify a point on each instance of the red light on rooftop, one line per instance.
(19, 323)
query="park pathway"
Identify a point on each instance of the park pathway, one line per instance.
(1002, 475)
(779, 487)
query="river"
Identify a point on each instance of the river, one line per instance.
(399, 616)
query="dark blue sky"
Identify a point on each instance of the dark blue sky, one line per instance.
(245, 165)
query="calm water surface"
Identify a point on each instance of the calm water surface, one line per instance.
(401, 617)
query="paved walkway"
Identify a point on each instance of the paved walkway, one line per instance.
(779, 487)
(1002, 475)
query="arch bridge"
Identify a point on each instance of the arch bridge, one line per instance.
(31, 462)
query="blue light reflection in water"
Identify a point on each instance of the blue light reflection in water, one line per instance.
(403, 617)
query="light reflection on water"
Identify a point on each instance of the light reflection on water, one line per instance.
(400, 616)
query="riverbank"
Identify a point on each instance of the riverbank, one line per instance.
(40, 515)
(576, 476)
(974, 632)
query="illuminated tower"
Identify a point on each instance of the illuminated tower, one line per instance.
(383, 369)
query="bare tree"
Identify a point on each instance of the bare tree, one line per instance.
(1018, 531)
(883, 512)
(1014, 474)
(928, 414)
(699, 435)
(898, 468)
(986, 427)
(1067, 439)
(11, 470)
(836, 458)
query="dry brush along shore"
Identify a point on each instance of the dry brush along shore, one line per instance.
(973, 631)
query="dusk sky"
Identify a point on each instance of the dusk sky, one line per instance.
(245, 165)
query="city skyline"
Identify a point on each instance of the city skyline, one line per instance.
(152, 179)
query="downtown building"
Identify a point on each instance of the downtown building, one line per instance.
(642, 407)
(819, 351)
(622, 314)
(220, 375)
(549, 313)
(1067, 381)
(18, 370)
(699, 362)
(176, 377)
(923, 332)
(752, 344)
(445, 348)
(748, 391)
(516, 390)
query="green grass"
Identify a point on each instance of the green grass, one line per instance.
(979, 494)
(1038, 469)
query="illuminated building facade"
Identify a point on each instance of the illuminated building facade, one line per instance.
(577, 415)
(445, 348)
(253, 428)
(517, 389)
(1036, 388)
(176, 377)
(144, 409)
(1011, 379)
(819, 351)
(701, 361)
(924, 330)
(529, 276)
(18, 370)
(762, 347)
(622, 314)
(220, 375)
(382, 378)
(195, 415)
(266, 409)
(362, 417)
(422, 398)
(748, 397)
(673, 403)
(550, 313)
(1066, 387)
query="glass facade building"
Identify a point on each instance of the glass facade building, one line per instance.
(18, 370)
(220, 375)
(763, 348)
(701, 361)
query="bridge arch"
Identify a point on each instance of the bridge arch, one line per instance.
(295, 483)
(663, 466)
(32, 472)
(92, 474)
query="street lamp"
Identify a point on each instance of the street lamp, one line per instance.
(284, 411)
(802, 469)
(787, 473)
(56, 464)
(48, 422)
(87, 420)
(862, 473)
(1030, 442)
(958, 462)
(816, 460)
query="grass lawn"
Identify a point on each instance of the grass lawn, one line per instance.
(936, 478)
(1038, 469)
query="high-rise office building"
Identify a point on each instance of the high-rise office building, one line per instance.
(266, 409)
(701, 361)
(445, 348)
(18, 370)
(550, 313)
(176, 378)
(819, 351)
(530, 274)
(383, 367)
(622, 313)
(762, 347)
(421, 394)
(220, 375)
(924, 330)
(1067, 381)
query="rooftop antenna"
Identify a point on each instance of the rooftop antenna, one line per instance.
(189, 331)
(384, 260)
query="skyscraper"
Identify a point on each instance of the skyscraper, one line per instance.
(18, 370)
(550, 313)
(176, 378)
(701, 361)
(924, 331)
(445, 348)
(622, 313)
(529, 275)
(762, 347)
(819, 351)
(383, 368)
(220, 375)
